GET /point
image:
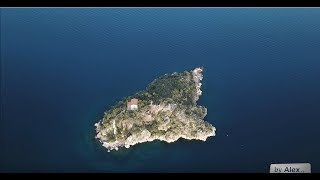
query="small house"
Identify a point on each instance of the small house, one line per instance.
(133, 104)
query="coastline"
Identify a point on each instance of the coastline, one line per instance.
(145, 135)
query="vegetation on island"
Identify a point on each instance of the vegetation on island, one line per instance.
(166, 108)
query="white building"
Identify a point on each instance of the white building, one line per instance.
(133, 104)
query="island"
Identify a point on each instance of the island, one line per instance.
(166, 110)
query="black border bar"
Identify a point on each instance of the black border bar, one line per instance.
(157, 3)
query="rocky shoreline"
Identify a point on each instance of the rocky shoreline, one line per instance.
(145, 137)
(197, 77)
(165, 121)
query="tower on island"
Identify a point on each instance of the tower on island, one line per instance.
(133, 104)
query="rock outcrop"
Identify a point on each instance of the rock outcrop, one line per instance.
(167, 111)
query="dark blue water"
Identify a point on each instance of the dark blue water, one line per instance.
(62, 68)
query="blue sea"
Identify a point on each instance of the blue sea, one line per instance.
(62, 68)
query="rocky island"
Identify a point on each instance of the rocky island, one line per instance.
(166, 110)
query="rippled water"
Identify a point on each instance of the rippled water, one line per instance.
(62, 68)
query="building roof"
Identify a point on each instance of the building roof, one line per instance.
(133, 101)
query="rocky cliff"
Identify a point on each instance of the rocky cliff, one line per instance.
(167, 111)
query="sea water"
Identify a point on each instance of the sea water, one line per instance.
(62, 68)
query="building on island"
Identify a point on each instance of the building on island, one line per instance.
(133, 104)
